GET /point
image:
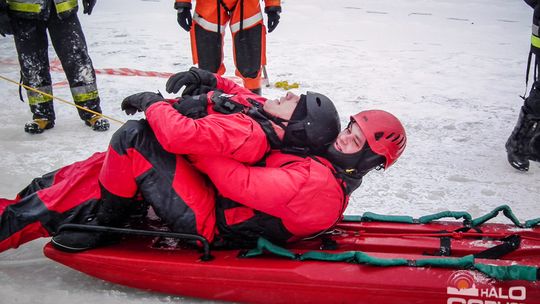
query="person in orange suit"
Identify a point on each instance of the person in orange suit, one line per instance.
(248, 32)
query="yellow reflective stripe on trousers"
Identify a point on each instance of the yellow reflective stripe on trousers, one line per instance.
(66, 6)
(35, 97)
(85, 96)
(535, 41)
(38, 98)
(25, 7)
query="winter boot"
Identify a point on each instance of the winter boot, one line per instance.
(97, 123)
(111, 212)
(80, 240)
(38, 125)
(518, 146)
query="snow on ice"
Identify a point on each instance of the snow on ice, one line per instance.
(451, 70)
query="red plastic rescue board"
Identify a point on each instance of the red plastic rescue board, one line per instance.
(136, 262)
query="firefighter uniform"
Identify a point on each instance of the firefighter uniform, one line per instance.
(30, 20)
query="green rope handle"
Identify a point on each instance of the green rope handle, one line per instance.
(505, 209)
(503, 273)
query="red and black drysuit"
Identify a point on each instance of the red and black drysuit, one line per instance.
(71, 194)
(138, 160)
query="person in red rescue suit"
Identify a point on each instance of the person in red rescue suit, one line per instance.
(207, 30)
(228, 135)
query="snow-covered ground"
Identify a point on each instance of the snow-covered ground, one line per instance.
(451, 70)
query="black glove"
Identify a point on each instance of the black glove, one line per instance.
(88, 6)
(192, 106)
(273, 17)
(140, 102)
(5, 26)
(184, 18)
(195, 79)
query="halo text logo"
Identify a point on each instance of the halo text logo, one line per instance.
(462, 289)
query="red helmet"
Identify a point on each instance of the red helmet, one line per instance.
(384, 133)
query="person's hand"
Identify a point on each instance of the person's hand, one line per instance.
(184, 18)
(88, 6)
(272, 13)
(140, 102)
(192, 106)
(193, 80)
(5, 25)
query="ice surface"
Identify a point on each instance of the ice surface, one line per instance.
(451, 70)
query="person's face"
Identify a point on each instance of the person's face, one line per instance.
(350, 140)
(282, 107)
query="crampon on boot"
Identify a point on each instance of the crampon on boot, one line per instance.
(98, 123)
(38, 125)
(518, 145)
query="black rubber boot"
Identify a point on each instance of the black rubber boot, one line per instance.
(518, 145)
(76, 241)
(112, 211)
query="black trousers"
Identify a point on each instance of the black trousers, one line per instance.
(69, 43)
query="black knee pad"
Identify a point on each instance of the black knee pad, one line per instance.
(126, 137)
(208, 49)
(248, 46)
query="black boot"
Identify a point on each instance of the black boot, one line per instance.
(518, 145)
(80, 240)
(43, 118)
(112, 211)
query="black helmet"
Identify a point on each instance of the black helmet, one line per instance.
(313, 126)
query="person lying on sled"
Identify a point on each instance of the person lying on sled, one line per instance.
(71, 194)
(287, 198)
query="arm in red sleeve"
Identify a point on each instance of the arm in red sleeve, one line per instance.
(261, 188)
(212, 135)
(241, 94)
(268, 3)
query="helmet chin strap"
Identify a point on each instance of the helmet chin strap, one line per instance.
(355, 164)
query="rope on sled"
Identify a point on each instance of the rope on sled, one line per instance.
(468, 221)
(503, 273)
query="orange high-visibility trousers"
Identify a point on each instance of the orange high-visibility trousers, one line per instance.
(248, 34)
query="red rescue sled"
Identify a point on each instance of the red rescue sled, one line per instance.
(137, 262)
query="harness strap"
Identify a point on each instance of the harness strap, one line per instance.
(511, 243)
